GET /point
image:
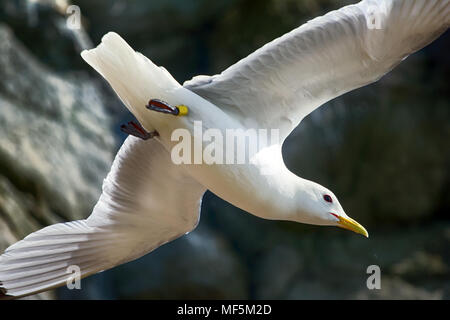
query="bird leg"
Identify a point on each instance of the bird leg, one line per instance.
(135, 129)
(164, 107)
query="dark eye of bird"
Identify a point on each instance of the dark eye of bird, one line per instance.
(327, 198)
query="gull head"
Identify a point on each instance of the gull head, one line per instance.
(320, 206)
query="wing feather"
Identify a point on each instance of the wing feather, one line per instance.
(146, 201)
(285, 80)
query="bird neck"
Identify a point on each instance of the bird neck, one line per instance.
(280, 192)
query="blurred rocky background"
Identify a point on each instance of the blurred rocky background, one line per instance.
(383, 149)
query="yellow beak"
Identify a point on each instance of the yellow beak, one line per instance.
(352, 225)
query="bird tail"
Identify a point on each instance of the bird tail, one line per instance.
(57, 255)
(133, 76)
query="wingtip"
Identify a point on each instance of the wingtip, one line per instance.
(110, 40)
(111, 35)
(3, 293)
(108, 37)
(86, 54)
(114, 40)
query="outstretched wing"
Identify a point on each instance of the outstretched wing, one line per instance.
(146, 202)
(285, 80)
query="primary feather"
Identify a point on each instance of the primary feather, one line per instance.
(282, 82)
(135, 214)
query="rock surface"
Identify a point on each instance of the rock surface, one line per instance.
(56, 145)
(56, 140)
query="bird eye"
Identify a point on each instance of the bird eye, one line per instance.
(327, 198)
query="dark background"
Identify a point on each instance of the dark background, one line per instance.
(383, 150)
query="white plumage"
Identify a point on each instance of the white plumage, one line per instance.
(328, 56)
(134, 215)
(147, 200)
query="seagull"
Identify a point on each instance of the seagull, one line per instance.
(148, 200)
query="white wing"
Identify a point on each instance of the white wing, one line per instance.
(282, 82)
(146, 202)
